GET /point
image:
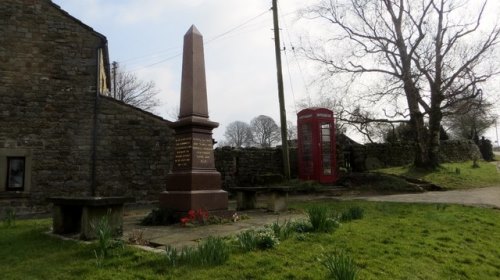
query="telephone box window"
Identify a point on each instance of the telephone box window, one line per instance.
(326, 151)
(15, 173)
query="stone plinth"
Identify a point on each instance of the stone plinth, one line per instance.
(80, 215)
(193, 183)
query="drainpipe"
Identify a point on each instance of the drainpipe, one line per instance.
(95, 125)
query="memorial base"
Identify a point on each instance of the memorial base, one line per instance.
(183, 201)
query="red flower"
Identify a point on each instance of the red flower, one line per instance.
(191, 214)
(184, 221)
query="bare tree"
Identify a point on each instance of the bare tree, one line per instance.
(428, 52)
(265, 131)
(238, 134)
(291, 130)
(469, 119)
(127, 87)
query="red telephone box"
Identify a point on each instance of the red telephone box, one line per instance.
(317, 156)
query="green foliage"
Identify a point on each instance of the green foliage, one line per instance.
(353, 213)
(10, 218)
(282, 231)
(320, 219)
(160, 217)
(392, 241)
(212, 251)
(105, 240)
(251, 240)
(247, 240)
(446, 176)
(486, 149)
(171, 256)
(301, 226)
(441, 206)
(378, 182)
(266, 239)
(340, 266)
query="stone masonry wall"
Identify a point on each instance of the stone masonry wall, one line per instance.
(241, 167)
(48, 74)
(379, 155)
(47, 85)
(133, 152)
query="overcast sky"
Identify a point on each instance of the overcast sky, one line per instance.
(146, 36)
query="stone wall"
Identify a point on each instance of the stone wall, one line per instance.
(248, 166)
(48, 79)
(133, 152)
(379, 155)
(47, 85)
(243, 167)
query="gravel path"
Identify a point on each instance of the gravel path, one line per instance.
(489, 197)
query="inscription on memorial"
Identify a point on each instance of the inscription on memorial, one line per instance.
(183, 147)
(203, 151)
(195, 150)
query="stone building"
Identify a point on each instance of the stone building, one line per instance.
(59, 136)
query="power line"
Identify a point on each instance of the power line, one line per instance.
(287, 61)
(219, 36)
(236, 27)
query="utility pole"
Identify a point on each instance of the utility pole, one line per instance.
(284, 138)
(115, 66)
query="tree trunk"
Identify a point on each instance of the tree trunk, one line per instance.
(421, 145)
(435, 116)
(434, 124)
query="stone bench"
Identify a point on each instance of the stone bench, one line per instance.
(79, 215)
(277, 197)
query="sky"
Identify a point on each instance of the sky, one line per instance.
(146, 36)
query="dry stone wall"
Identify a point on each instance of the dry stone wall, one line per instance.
(250, 166)
(379, 155)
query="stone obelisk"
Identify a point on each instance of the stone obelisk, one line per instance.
(193, 182)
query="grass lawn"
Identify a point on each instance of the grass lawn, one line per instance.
(458, 175)
(392, 241)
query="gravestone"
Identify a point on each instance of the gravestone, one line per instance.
(193, 182)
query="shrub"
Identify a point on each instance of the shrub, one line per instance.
(319, 217)
(251, 240)
(160, 217)
(340, 266)
(266, 239)
(353, 213)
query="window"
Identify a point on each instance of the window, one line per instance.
(307, 149)
(326, 151)
(15, 173)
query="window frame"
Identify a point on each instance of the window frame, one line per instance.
(7, 185)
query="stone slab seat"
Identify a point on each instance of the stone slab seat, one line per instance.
(277, 197)
(79, 215)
